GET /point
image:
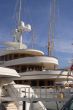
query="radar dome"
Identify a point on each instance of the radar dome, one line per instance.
(28, 26)
(22, 25)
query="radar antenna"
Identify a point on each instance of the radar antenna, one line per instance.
(22, 27)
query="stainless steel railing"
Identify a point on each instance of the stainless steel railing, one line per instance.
(45, 92)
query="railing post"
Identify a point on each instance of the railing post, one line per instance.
(46, 92)
(40, 91)
(29, 92)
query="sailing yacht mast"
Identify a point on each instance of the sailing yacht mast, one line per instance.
(51, 28)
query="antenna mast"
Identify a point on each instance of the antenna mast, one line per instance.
(22, 27)
(51, 28)
(19, 13)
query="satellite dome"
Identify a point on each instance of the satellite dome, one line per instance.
(28, 26)
(22, 25)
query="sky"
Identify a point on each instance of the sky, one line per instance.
(36, 13)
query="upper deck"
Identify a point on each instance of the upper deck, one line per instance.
(22, 51)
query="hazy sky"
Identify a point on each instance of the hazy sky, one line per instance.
(36, 13)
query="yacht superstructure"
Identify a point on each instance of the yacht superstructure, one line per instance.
(32, 65)
(36, 70)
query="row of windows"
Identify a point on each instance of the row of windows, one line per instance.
(24, 68)
(36, 82)
(13, 56)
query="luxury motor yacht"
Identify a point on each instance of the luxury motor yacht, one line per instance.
(38, 72)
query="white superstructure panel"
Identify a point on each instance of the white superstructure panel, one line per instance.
(15, 45)
(32, 60)
(57, 75)
(25, 51)
(6, 72)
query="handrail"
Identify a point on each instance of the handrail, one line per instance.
(38, 94)
(41, 92)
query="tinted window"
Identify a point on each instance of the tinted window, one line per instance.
(41, 83)
(33, 83)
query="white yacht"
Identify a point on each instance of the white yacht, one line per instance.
(6, 77)
(38, 72)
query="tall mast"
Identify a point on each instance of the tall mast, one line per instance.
(51, 28)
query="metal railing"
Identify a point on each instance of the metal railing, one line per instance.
(42, 93)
